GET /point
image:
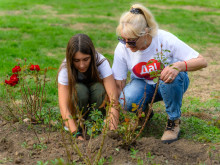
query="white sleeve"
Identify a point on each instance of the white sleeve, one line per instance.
(104, 69)
(119, 67)
(182, 51)
(63, 76)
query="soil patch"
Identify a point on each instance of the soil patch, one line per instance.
(19, 145)
(15, 12)
(205, 83)
(8, 29)
(187, 7)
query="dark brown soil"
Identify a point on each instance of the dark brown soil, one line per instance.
(17, 147)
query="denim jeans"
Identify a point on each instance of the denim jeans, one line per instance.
(141, 93)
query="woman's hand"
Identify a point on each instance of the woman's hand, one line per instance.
(111, 90)
(169, 73)
(80, 138)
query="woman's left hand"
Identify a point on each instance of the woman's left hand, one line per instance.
(169, 73)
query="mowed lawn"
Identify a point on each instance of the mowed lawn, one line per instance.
(39, 31)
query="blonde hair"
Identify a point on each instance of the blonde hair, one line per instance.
(134, 25)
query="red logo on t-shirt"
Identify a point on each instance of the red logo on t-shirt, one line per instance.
(143, 69)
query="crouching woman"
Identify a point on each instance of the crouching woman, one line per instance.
(84, 78)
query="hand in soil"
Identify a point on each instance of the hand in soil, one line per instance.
(80, 138)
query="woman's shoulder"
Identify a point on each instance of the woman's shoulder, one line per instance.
(63, 74)
(167, 38)
(99, 59)
(103, 66)
(99, 56)
(165, 34)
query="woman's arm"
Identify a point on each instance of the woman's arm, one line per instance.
(120, 84)
(190, 65)
(111, 90)
(64, 110)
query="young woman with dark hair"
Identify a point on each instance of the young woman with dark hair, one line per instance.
(84, 78)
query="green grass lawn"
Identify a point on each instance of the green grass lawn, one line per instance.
(39, 31)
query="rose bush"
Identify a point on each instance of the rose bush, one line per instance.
(13, 80)
(16, 69)
(25, 90)
(35, 67)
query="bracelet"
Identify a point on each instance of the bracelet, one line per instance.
(186, 65)
(77, 134)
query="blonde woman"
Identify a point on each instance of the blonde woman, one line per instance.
(139, 42)
(84, 78)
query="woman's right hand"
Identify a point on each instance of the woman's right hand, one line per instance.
(80, 138)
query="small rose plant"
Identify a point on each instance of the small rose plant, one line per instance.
(25, 91)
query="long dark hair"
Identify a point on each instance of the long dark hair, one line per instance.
(83, 44)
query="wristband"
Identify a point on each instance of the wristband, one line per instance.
(77, 134)
(186, 65)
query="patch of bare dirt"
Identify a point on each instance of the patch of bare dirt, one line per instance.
(187, 7)
(79, 26)
(26, 36)
(11, 12)
(8, 29)
(50, 54)
(205, 83)
(47, 8)
(18, 146)
(56, 52)
(66, 16)
(85, 26)
(214, 19)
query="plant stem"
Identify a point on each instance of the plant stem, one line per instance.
(103, 137)
(67, 151)
(149, 112)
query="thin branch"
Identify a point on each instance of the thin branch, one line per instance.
(149, 112)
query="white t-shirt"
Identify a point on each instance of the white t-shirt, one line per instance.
(104, 70)
(125, 60)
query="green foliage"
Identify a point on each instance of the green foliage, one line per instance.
(59, 161)
(40, 146)
(138, 160)
(25, 90)
(192, 128)
(134, 153)
(150, 158)
(103, 161)
(24, 144)
(199, 130)
(28, 30)
(127, 126)
(95, 122)
(6, 160)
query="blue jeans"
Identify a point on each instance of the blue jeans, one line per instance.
(141, 93)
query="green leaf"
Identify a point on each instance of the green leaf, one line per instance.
(155, 79)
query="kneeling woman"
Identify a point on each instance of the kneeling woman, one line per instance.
(84, 78)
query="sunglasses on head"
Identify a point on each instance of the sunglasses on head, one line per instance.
(131, 42)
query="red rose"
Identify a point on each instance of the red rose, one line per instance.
(9, 82)
(35, 67)
(13, 80)
(16, 69)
